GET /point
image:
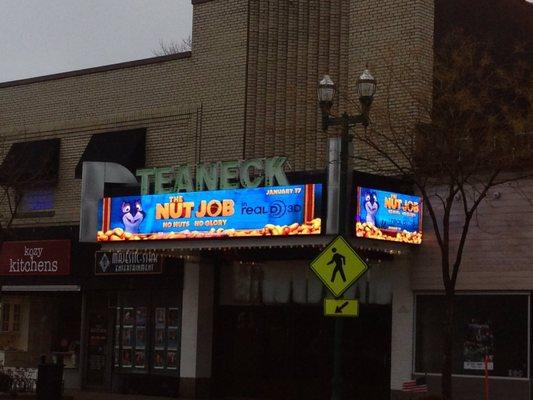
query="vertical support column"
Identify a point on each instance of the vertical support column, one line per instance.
(83, 340)
(402, 326)
(197, 330)
(334, 183)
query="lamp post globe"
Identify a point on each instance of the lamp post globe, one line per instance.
(366, 88)
(366, 84)
(326, 93)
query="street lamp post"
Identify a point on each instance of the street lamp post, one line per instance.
(339, 145)
(338, 178)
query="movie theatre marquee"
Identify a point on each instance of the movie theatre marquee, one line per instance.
(248, 198)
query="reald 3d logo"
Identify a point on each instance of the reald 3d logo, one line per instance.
(277, 209)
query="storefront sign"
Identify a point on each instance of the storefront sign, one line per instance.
(388, 216)
(47, 257)
(276, 211)
(213, 176)
(127, 263)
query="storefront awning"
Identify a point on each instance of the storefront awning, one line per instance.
(126, 148)
(35, 162)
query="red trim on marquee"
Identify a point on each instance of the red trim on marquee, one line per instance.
(106, 214)
(309, 211)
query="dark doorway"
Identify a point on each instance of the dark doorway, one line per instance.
(285, 352)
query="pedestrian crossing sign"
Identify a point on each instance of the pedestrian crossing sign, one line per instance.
(338, 266)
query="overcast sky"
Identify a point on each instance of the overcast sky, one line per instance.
(41, 37)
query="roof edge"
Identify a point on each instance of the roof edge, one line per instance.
(93, 70)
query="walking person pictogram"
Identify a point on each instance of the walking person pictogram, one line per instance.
(339, 261)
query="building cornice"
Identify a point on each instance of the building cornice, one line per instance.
(94, 70)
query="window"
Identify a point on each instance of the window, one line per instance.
(6, 307)
(14, 323)
(16, 318)
(486, 325)
(11, 317)
(36, 202)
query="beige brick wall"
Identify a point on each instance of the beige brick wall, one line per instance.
(292, 44)
(193, 108)
(395, 39)
(219, 76)
(97, 96)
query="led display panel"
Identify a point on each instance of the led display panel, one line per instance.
(391, 216)
(264, 211)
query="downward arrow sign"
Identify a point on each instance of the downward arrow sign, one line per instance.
(338, 310)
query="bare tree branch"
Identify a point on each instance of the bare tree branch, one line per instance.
(172, 47)
(466, 137)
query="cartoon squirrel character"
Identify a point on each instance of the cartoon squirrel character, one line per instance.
(371, 207)
(132, 216)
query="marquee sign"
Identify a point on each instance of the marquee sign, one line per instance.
(262, 211)
(212, 176)
(36, 258)
(388, 216)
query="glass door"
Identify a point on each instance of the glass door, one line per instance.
(147, 333)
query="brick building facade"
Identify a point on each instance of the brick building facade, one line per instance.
(248, 90)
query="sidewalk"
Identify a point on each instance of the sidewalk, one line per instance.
(82, 395)
(73, 394)
(79, 395)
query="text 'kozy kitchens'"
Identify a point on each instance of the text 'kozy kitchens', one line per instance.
(32, 265)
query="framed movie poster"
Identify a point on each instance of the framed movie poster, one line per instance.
(159, 359)
(173, 317)
(159, 340)
(172, 340)
(160, 317)
(140, 337)
(478, 345)
(126, 360)
(140, 316)
(172, 360)
(127, 337)
(128, 317)
(139, 359)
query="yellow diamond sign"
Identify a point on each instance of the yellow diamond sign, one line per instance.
(338, 266)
